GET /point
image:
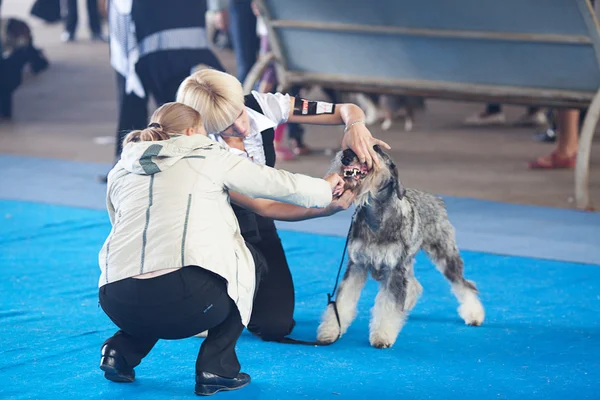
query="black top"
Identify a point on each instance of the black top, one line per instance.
(253, 226)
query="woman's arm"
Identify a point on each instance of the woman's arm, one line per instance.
(239, 174)
(356, 135)
(289, 212)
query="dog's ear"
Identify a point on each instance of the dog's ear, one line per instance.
(398, 185)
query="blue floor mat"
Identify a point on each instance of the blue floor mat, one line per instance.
(541, 337)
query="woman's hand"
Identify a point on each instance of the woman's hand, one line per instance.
(336, 182)
(340, 203)
(359, 139)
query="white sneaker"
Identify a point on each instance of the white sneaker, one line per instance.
(408, 124)
(386, 124)
(538, 118)
(202, 334)
(486, 119)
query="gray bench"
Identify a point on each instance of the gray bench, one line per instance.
(526, 52)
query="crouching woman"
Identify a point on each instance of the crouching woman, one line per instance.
(175, 263)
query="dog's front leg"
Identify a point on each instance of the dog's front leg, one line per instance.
(388, 314)
(347, 298)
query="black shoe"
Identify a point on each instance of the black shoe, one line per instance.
(114, 366)
(208, 384)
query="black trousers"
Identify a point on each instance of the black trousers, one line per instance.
(273, 308)
(72, 16)
(133, 110)
(175, 306)
(133, 113)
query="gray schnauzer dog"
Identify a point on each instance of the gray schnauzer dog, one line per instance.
(391, 224)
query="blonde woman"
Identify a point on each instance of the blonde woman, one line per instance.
(226, 112)
(175, 263)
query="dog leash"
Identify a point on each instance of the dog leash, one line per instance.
(330, 296)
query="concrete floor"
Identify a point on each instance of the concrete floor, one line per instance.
(63, 112)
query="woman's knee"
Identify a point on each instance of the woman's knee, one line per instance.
(271, 331)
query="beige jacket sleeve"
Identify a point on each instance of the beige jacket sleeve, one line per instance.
(260, 181)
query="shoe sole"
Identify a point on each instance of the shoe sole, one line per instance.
(213, 389)
(112, 375)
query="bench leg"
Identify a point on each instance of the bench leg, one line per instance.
(256, 71)
(582, 167)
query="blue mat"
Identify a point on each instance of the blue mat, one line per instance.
(541, 337)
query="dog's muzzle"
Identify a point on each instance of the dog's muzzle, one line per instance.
(352, 168)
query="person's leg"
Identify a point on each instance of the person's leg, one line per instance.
(217, 353)
(568, 138)
(71, 19)
(243, 36)
(132, 349)
(172, 306)
(133, 114)
(567, 144)
(166, 92)
(94, 18)
(282, 151)
(273, 311)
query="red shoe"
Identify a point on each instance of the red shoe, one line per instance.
(284, 153)
(554, 161)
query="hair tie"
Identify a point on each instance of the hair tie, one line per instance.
(155, 125)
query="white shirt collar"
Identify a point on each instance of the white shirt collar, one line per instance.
(259, 121)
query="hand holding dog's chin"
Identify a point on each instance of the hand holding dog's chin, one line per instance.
(336, 182)
(339, 203)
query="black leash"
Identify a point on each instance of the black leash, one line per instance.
(330, 296)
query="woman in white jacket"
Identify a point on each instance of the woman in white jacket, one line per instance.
(175, 263)
(225, 111)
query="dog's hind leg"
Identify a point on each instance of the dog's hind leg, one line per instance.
(388, 313)
(413, 288)
(413, 292)
(444, 253)
(352, 284)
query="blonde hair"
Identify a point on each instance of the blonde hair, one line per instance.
(216, 95)
(169, 119)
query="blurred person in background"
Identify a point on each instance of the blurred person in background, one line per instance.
(71, 17)
(238, 17)
(154, 45)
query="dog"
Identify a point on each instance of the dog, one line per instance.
(17, 45)
(390, 226)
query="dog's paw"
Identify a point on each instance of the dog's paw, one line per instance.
(472, 312)
(328, 332)
(380, 342)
